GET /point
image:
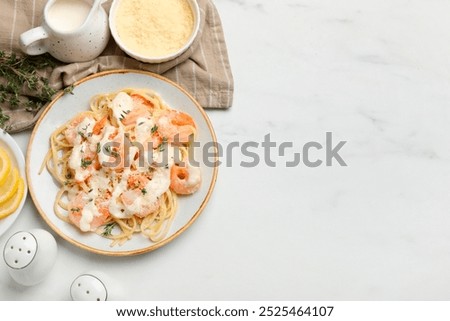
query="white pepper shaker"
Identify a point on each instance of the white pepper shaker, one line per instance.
(96, 286)
(30, 256)
(88, 287)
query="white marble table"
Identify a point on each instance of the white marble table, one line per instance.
(374, 73)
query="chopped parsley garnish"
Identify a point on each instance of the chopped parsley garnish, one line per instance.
(144, 191)
(163, 144)
(154, 129)
(108, 149)
(75, 209)
(98, 148)
(85, 162)
(122, 116)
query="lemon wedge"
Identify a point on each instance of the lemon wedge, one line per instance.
(8, 188)
(13, 203)
(5, 166)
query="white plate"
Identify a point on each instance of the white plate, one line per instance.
(43, 188)
(18, 161)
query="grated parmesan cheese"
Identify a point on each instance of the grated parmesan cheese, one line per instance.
(154, 27)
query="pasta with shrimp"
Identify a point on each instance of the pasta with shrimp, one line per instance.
(122, 164)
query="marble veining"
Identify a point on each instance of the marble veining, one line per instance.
(374, 73)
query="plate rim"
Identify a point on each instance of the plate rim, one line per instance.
(154, 246)
(21, 164)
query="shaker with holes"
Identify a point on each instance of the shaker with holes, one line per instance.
(30, 256)
(94, 286)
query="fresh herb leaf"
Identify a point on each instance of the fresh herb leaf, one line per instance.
(144, 191)
(85, 162)
(154, 129)
(122, 116)
(75, 209)
(19, 72)
(69, 89)
(163, 144)
(3, 119)
(108, 228)
(98, 148)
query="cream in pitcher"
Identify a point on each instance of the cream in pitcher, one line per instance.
(68, 15)
(71, 31)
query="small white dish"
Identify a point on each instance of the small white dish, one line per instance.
(18, 161)
(158, 59)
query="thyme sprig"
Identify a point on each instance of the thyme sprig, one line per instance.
(19, 74)
(108, 228)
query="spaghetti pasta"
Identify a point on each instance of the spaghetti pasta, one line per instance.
(122, 164)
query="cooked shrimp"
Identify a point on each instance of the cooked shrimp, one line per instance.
(176, 126)
(112, 149)
(135, 202)
(141, 100)
(132, 116)
(98, 127)
(71, 131)
(138, 181)
(83, 161)
(185, 179)
(84, 214)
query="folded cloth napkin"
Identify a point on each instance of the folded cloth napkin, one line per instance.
(203, 70)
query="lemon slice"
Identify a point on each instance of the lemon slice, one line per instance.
(13, 203)
(8, 189)
(5, 166)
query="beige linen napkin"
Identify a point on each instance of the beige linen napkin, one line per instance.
(203, 70)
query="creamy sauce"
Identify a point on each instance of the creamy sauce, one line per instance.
(157, 186)
(143, 127)
(122, 104)
(124, 202)
(154, 28)
(87, 216)
(195, 176)
(68, 15)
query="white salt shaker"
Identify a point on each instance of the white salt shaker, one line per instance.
(91, 286)
(30, 256)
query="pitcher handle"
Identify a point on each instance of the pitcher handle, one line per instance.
(31, 41)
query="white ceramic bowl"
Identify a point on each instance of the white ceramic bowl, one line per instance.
(17, 160)
(155, 59)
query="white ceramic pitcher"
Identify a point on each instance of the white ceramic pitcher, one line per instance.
(71, 31)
